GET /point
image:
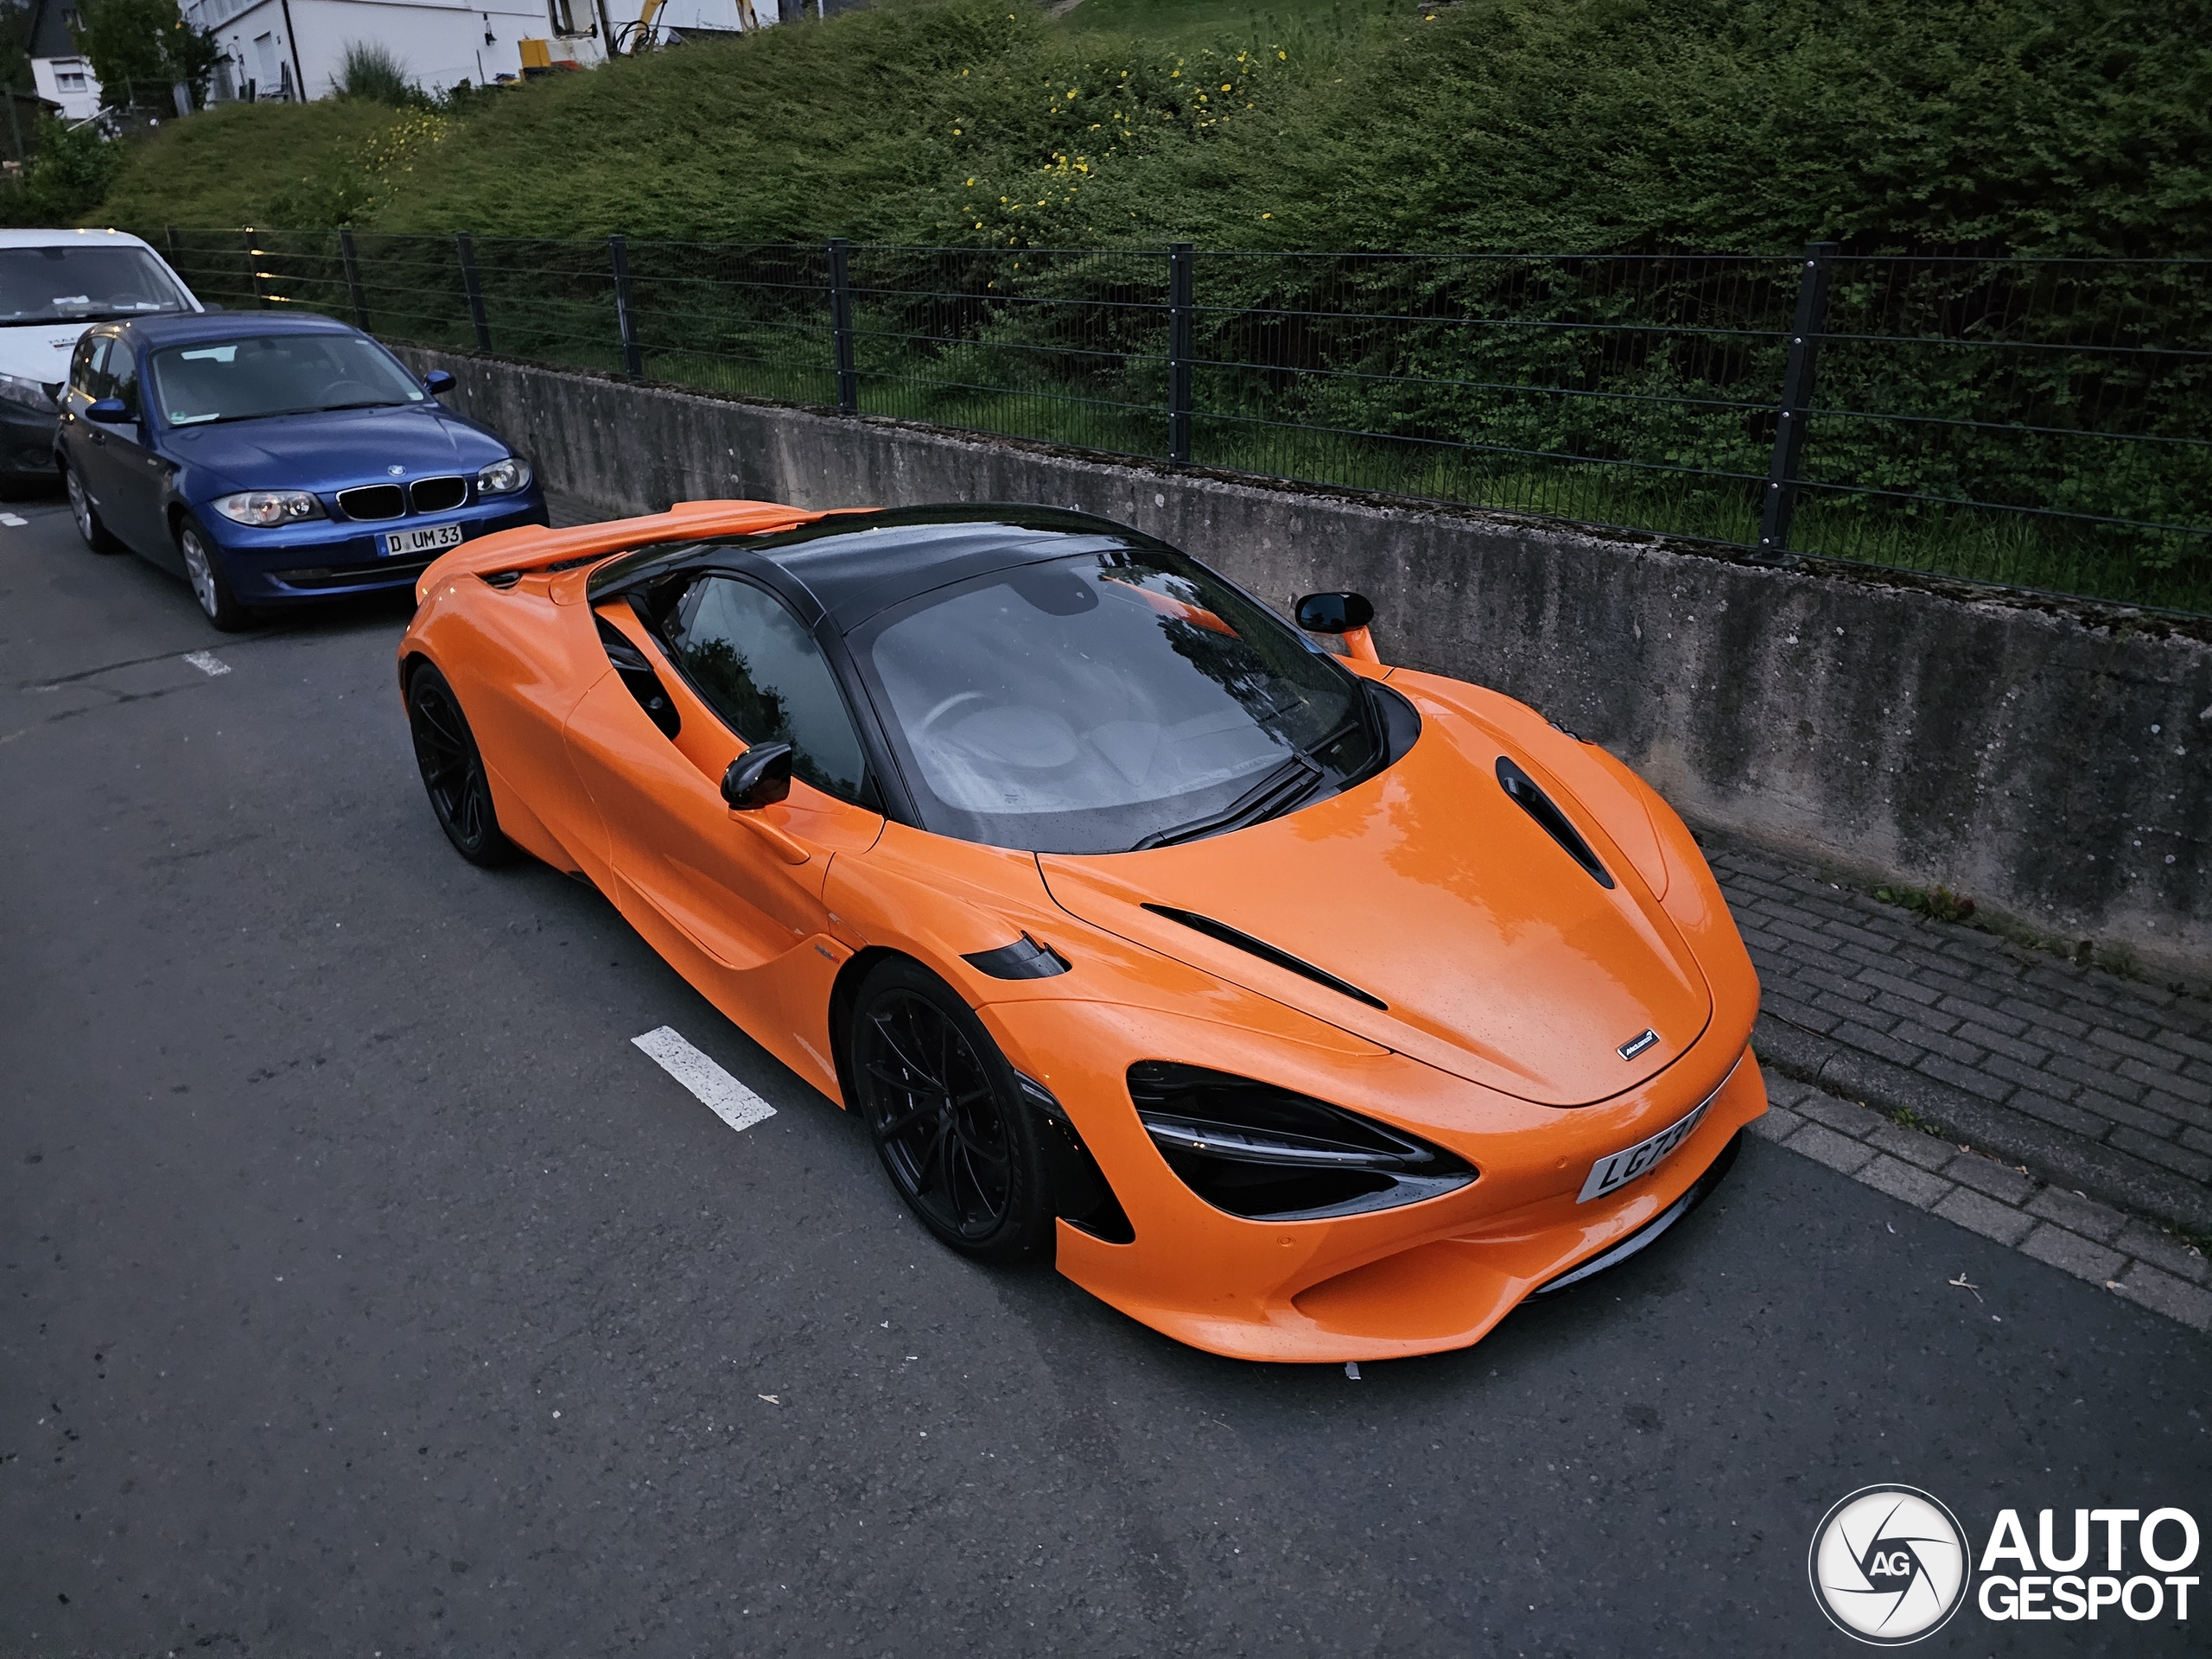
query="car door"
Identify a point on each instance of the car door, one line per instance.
(734, 900)
(84, 442)
(134, 469)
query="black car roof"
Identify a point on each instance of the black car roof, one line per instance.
(852, 564)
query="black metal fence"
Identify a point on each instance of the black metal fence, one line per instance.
(2032, 422)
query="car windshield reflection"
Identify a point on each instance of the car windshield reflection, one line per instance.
(277, 374)
(82, 283)
(1111, 701)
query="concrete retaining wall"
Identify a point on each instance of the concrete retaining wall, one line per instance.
(2054, 763)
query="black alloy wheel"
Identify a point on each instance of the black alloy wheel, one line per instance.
(947, 1116)
(453, 772)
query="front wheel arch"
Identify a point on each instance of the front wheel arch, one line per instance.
(844, 993)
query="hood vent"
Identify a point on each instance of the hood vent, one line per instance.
(1267, 952)
(1541, 807)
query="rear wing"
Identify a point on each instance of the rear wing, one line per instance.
(534, 548)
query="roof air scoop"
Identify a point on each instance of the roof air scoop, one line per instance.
(1555, 824)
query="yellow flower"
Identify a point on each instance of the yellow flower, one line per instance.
(1266, 215)
(1225, 86)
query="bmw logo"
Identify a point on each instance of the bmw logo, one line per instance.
(1889, 1564)
(395, 470)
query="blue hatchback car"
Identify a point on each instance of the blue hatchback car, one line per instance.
(275, 461)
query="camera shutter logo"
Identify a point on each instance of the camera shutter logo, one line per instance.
(1889, 1564)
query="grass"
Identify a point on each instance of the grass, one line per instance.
(987, 127)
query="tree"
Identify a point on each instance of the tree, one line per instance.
(140, 49)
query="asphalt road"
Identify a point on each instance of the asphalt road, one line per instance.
(363, 1291)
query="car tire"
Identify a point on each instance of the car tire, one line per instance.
(89, 526)
(947, 1116)
(204, 571)
(452, 770)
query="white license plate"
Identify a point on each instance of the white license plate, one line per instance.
(1610, 1174)
(427, 539)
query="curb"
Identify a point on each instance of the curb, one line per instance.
(2100, 1171)
(1974, 1190)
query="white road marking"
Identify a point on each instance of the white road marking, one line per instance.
(13, 521)
(207, 662)
(724, 1094)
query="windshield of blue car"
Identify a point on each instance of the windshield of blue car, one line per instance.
(276, 374)
(85, 282)
(1109, 700)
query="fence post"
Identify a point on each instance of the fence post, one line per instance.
(467, 249)
(352, 261)
(840, 325)
(1781, 494)
(634, 355)
(1181, 288)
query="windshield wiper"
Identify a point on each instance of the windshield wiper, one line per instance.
(1278, 792)
(309, 409)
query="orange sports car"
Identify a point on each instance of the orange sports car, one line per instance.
(1304, 1008)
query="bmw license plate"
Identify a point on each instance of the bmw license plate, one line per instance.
(1610, 1174)
(427, 539)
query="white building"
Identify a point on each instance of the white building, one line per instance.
(58, 71)
(295, 48)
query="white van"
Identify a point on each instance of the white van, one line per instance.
(54, 285)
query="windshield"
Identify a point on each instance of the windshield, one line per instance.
(84, 282)
(277, 374)
(1106, 700)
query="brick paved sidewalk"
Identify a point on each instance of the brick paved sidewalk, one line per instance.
(2093, 1082)
(2055, 1225)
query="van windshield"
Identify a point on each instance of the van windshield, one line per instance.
(83, 282)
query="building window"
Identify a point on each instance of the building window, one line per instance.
(69, 80)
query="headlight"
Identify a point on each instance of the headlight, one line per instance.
(29, 393)
(1269, 1154)
(265, 507)
(504, 477)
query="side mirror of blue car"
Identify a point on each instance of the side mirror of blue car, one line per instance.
(438, 383)
(109, 410)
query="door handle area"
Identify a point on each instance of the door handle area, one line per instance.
(785, 847)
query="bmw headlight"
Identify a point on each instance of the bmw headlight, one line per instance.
(265, 507)
(31, 394)
(504, 477)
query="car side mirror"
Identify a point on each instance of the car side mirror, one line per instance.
(438, 383)
(760, 777)
(1334, 613)
(109, 410)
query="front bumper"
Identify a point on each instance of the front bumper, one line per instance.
(324, 558)
(1420, 1279)
(26, 444)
